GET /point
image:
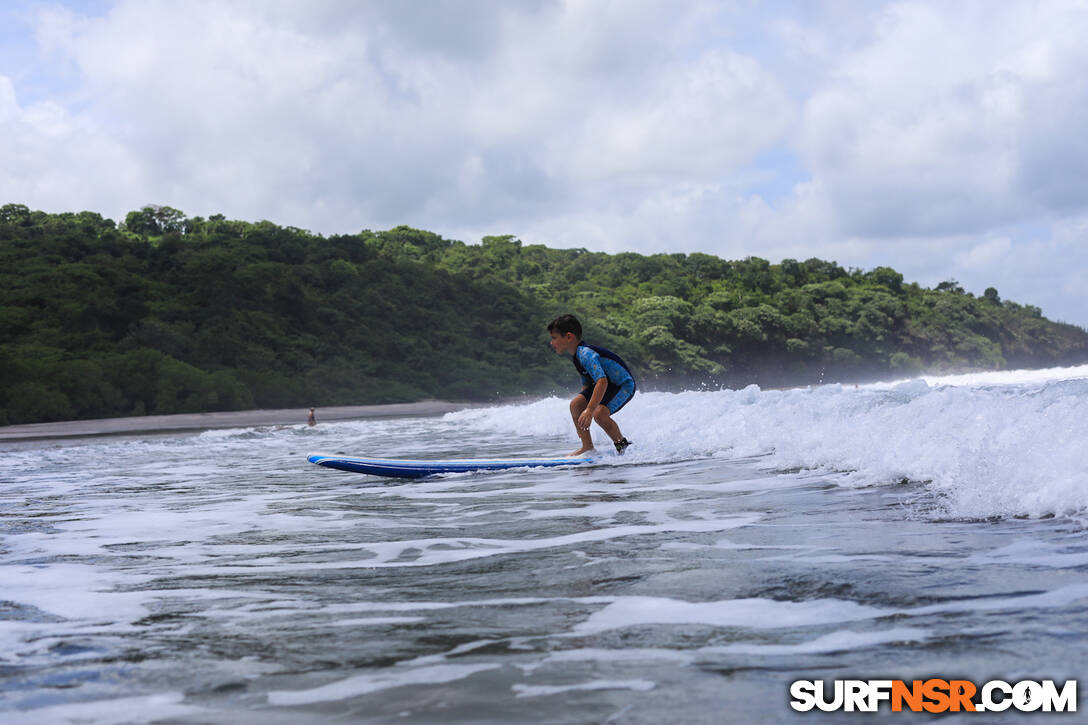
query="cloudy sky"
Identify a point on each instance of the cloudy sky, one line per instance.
(945, 139)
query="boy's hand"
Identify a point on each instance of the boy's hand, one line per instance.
(586, 417)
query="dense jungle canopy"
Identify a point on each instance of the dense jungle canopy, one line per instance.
(164, 313)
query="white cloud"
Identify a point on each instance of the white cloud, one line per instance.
(984, 254)
(941, 139)
(378, 116)
(693, 121)
(939, 123)
(57, 159)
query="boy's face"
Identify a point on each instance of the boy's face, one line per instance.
(563, 344)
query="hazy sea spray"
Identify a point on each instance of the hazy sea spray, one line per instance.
(993, 444)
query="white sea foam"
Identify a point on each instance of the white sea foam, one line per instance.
(1061, 597)
(436, 551)
(544, 690)
(117, 711)
(990, 444)
(1033, 553)
(1004, 377)
(838, 641)
(756, 613)
(833, 642)
(381, 680)
(626, 656)
(376, 621)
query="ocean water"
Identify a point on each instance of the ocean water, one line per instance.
(930, 528)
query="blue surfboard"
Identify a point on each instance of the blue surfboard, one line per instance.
(401, 468)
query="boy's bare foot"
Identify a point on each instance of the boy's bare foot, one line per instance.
(581, 451)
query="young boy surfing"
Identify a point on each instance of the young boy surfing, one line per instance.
(607, 383)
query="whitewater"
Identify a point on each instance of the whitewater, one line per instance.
(934, 527)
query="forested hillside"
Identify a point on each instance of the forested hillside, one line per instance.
(164, 314)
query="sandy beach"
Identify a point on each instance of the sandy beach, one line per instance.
(208, 421)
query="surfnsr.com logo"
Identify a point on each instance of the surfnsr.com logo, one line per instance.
(934, 695)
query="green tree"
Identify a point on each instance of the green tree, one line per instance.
(169, 314)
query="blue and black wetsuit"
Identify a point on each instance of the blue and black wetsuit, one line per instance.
(594, 363)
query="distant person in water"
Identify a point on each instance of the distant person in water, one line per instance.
(312, 420)
(607, 383)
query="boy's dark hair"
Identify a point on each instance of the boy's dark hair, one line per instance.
(564, 324)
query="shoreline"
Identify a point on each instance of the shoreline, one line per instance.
(153, 424)
(226, 419)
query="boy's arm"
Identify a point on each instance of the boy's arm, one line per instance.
(591, 365)
(594, 400)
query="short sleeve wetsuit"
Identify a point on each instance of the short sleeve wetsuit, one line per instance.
(594, 363)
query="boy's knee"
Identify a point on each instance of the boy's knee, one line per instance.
(577, 404)
(602, 414)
